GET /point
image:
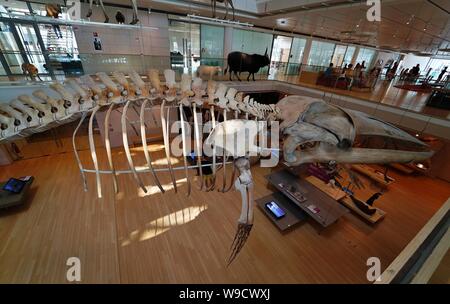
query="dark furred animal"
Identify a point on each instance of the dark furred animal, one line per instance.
(120, 18)
(242, 62)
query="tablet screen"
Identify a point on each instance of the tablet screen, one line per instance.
(275, 209)
(14, 185)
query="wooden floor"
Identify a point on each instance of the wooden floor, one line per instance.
(134, 237)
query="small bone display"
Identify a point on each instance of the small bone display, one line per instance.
(312, 130)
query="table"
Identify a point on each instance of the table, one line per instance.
(9, 199)
(318, 205)
(294, 214)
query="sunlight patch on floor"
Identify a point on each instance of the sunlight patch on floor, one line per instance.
(164, 224)
(152, 189)
(151, 148)
(163, 161)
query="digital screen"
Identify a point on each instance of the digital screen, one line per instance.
(14, 185)
(275, 209)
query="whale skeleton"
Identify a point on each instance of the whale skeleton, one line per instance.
(330, 130)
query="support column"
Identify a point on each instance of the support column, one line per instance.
(355, 55)
(228, 42)
(5, 65)
(306, 51)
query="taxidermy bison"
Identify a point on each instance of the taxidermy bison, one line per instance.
(242, 62)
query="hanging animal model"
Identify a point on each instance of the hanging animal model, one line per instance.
(53, 11)
(227, 3)
(133, 4)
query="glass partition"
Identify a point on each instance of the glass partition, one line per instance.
(211, 41)
(184, 46)
(29, 40)
(366, 56)
(338, 56)
(2, 70)
(280, 55)
(296, 56)
(349, 55)
(321, 53)
(251, 42)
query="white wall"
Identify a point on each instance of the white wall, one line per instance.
(134, 46)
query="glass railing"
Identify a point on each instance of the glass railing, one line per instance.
(368, 85)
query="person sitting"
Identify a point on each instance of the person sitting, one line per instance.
(327, 77)
(349, 75)
(343, 77)
(329, 71)
(344, 68)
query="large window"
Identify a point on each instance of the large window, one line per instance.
(366, 55)
(50, 47)
(436, 66)
(251, 42)
(339, 54)
(321, 53)
(211, 41)
(298, 47)
(295, 58)
(10, 49)
(184, 46)
(349, 55)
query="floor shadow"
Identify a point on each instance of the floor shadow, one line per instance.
(13, 210)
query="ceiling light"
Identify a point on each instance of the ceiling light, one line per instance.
(219, 21)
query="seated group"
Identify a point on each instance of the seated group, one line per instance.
(347, 77)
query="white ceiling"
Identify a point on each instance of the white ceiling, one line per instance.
(414, 25)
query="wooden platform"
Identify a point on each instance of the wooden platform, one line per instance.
(333, 192)
(402, 168)
(378, 215)
(373, 174)
(342, 197)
